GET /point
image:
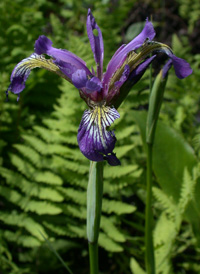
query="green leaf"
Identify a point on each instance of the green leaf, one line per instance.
(171, 154)
(135, 267)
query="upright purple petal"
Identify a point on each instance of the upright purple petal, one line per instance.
(96, 42)
(43, 45)
(95, 142)
(117, 60)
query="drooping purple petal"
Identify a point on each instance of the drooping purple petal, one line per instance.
(117, 60)
(182, 68)
(96, 42)
(43, 45)
(95, 142)
(22, 70)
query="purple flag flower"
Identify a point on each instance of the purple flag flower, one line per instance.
(97, 89)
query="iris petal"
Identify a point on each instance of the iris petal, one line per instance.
(95, 142)
(93, 84)
(120, 56)
(43, 45)
(96, 42)
(23, 69)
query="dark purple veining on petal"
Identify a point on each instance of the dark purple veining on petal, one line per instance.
(96, 43)
(20, 74)
(95, 142)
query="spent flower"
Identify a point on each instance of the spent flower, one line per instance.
(99, 90)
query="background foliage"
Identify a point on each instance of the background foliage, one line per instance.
(43, 175)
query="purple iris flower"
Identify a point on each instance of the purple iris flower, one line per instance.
(99, 90)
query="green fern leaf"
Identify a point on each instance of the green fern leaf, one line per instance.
(107, 224)
(117, 172)
(166, 202)
(187, 191)
(22, 220)
(109, 244)
(117, 207)
(135, 267)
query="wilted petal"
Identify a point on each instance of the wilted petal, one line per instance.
(43, 45)
(95, 142)
(23, 69)
(96, 42)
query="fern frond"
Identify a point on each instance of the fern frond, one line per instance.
(123, 150)
(187, 191)
(166, 202)
(108, 244)
(164, 237)
(107, 224)
(59, 230)
(117, 207)
(22, 220)
(33, 156)
(117, 172)
(135, 267)
(23, 240)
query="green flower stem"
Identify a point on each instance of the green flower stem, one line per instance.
(94, 205)
(155, 102)
(149, 255)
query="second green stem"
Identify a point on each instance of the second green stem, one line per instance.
(94, 205)
(149, 255)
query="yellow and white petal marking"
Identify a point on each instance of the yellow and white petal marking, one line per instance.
(35, 61)
(94, 140)
(134, 59)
